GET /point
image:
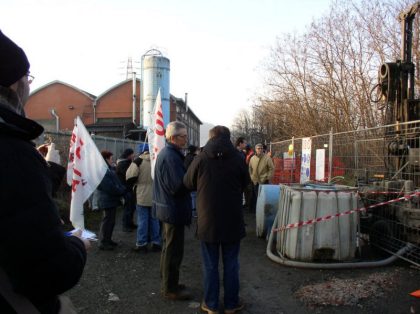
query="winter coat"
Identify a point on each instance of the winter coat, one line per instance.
(109, 192)
(220, 176)
(56, 173)
(40, 261)
(242, 154)
(171, 200)
(144, 183)
(121, 170)
(261, 169)
(188, 160)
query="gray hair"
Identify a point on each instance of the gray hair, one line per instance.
(173, 128)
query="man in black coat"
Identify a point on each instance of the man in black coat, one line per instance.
(123, 163)
(220, 176)
(37, 258)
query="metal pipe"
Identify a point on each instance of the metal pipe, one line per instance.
(141, 122)
(186, 102)
(330, 156)
(94, 111)
(292, 173)
(57, 119)
(134, 98)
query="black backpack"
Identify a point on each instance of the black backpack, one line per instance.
(132, 181)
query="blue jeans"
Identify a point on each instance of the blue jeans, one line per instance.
(230, 258)
(147, 225)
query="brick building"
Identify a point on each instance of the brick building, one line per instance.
(56, 105)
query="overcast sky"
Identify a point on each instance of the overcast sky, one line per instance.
(216, 47)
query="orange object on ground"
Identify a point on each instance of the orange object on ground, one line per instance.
(416, 294)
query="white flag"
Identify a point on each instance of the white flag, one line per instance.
(156, 133)
(85, 170)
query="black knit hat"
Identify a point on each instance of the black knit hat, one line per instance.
(13, 62)
(127, 152)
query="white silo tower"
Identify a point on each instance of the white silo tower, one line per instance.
(155, 75)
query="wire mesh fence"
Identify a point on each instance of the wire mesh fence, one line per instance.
(383, 162)
(62, 143)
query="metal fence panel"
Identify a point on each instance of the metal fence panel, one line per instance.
(62, 143)
(384, 162)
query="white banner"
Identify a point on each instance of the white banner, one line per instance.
(156, 134)
(320, 165)
(288, 161)
(305, 166)
(85, 170)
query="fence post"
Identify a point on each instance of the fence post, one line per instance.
(292, 173)
(356, 161)
(330, 157)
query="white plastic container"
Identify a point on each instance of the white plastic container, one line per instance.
(330, 240)
(266, 209)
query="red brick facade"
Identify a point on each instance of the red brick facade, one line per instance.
(67, 101)
(109, 114)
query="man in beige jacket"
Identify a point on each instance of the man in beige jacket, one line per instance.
(147, 226)
(261, 170)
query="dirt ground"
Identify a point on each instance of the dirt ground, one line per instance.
(124, 281)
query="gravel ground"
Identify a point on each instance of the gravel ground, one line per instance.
(123, 281)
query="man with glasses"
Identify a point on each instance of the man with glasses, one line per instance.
(172, 206)
(37, 259)
(261, 170)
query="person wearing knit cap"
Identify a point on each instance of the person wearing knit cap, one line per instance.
(14, 72)
(143, 147)
(129, 198)
(39, 260)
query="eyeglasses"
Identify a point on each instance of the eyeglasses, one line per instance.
(30, 78)
(183, 136)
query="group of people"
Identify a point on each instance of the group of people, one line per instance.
(260, 166)
(40, 262)
(128, 181)
(218, 175)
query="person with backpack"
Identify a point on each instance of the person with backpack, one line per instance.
(147, 226)
(129, 198)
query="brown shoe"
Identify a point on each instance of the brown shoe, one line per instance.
(205, 308)
(177, 296)
(239, 307)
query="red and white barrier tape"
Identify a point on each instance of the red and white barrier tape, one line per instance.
(348, 212)
(380, 193)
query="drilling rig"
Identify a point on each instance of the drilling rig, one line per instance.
(397, 87)
(394, 225)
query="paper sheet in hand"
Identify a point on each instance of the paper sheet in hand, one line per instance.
(86, 234)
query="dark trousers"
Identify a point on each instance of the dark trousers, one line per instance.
(171, 257)
(254, 196)
(129, 209)
(249, 190)
(230, 256)
(107, 224)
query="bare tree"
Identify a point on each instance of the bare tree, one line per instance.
(324, 78)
